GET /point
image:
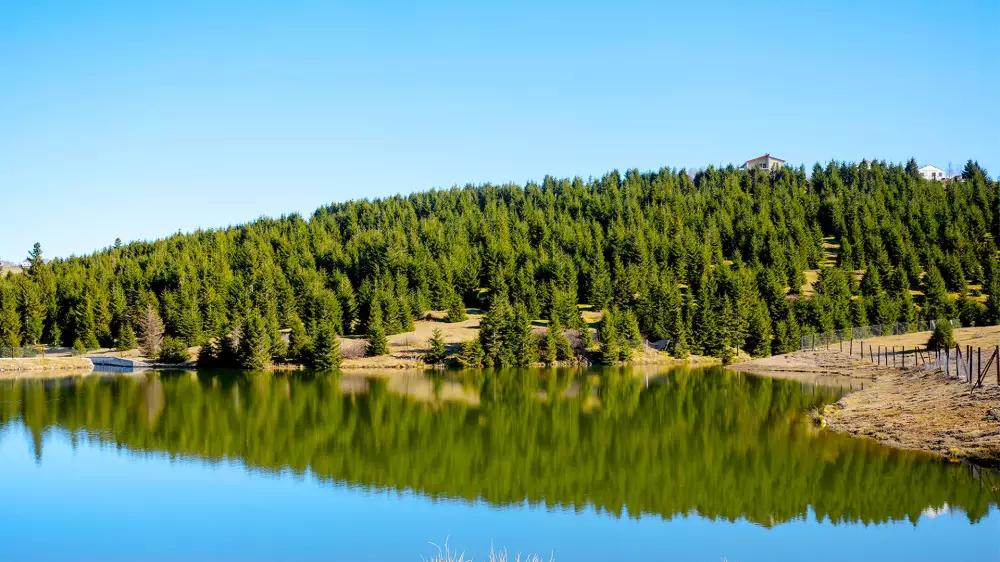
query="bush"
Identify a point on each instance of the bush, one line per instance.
(173, 350)
(943, 336)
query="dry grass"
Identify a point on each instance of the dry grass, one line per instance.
(44, 366)
(984, 336)
(908, 408)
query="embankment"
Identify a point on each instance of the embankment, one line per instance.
(909, 408)
(44, 366)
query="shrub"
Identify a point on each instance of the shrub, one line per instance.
(173, 350)
(943, 336)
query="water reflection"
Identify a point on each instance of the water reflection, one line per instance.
(720, 445)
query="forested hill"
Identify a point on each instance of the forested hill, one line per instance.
(710, 262)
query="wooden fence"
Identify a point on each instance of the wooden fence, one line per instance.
(969, 364)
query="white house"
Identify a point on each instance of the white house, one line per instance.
(765, 162)
(932, 173)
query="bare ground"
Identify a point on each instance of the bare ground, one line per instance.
(908, 408)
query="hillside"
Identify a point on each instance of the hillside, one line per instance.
(725, 259)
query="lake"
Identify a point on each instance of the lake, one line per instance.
(598, 464)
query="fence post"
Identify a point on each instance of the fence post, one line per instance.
(851, 348)
(969, 351)
(893, 356)
(998, 364)
(903, 356)
(947, 361)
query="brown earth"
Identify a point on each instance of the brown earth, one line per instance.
(909, 408)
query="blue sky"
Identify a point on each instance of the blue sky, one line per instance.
(139, 119)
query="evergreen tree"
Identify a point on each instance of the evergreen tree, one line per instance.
(127, 339)
(32, 313)
(324, 353)
(608, 334)
(300, 345)
(254, 352)
(758, 343)
(437, 351)
(937, 303)
(470, 355)
(10, 320)
(992, 315)
(377, 344)
(456, 309)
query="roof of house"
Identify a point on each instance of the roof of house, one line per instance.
(766, 155)
(930, 167)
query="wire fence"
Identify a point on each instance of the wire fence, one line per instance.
(973, 365)
(836, 337)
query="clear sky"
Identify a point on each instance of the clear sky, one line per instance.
(139, 119)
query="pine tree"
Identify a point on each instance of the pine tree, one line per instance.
(470, 355)
(758, 343)
(937, 303)
(437, 351)
(126, 338)
(608, 334)
(299, 342)
(993, 298)
(456, 309)
(377, 344)
(254, 352)
(10, 320)
(324, 352)
(523, 342)
(32, 313)
(551, 353)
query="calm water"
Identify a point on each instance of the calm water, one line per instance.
(692, 465)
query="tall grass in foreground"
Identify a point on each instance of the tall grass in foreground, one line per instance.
(444, 554)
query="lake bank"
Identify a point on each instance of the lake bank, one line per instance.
(44, 366)
(909, 408)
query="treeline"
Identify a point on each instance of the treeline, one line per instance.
(709, 262)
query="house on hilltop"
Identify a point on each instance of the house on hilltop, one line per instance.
(929, 172)
(765, 162)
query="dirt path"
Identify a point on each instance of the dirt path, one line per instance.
(908, 408)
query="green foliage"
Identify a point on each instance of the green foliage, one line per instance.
(254, 349)
(943, 336)
(505, 335)
(456, 309)
(173, 350)
(378, 343)
(607, 332)
(710, 244)
(470, 355)
(126, 339)
(437, 351)
(324, 351)
(10, 320)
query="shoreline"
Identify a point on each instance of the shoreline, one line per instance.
(906, 408)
